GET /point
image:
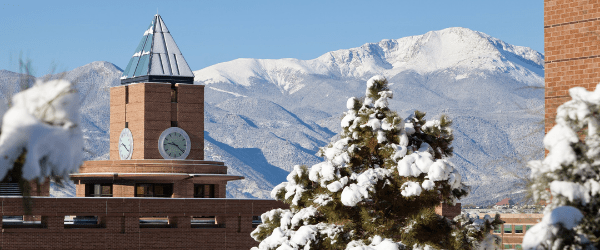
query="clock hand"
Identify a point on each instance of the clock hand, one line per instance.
(125, 147)
(176, 146)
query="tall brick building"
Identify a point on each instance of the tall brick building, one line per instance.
(572, 50)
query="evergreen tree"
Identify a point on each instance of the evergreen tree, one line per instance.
(377, 188)
(569, 177)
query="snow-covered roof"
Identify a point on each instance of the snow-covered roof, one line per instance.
(157, 58)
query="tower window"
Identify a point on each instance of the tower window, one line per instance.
(126, 94)
(126, 124)
(98, 190)
(153, 190)
(204, 190)
(173, 93)
(173, 123)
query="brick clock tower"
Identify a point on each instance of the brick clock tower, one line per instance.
(156, 130)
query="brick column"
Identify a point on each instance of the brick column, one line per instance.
(79, 190)
(190, 116)
(123, 190)
(181, 222)
(131, 224)
(55, 223)
(183, 189)
(117, 118)
(113, 224)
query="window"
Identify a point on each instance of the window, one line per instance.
(126, 94)
(205, 222)
(256, 220)
(519, 229)
(73, 221)
(155, 222)
(20, 221)
(507, 228)
(98, 190)
(153, 190)
(527, 227)
(173, 123)
(507, 246)
(518, 247)
(204, 190)
(497, 230)
(173, 93)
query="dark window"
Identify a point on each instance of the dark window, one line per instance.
(126, 124)
(173, 93)
(153, 190)
(256, 220)
(20, 221)
(519, 229)
(126, 94)
(173, 123)
(98, 190)
(507, 228)
(155, 222)
(204, 191)
(205, 222)
(73, 221)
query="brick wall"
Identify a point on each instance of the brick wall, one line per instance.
(120, 223)
(572, 50)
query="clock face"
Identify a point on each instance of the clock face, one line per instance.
(125, 144)
(174, 143)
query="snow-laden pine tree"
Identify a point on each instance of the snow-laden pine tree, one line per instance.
(40, 134)
(377, 188)
(568, 178)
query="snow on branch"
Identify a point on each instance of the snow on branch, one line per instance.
(43, 125)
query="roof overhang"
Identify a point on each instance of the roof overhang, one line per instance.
(154, 176)
(154, 78)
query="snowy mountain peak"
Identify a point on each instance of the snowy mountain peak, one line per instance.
(456, 49)
(451, 48)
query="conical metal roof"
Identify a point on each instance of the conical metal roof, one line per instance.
(157, 58)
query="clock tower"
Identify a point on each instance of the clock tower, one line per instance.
(156, 130)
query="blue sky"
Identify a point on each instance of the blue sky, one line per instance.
(68, 34)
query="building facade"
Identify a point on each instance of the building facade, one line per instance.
(572, 50)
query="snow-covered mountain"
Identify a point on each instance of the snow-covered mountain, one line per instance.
(262, 117)
(488, 87)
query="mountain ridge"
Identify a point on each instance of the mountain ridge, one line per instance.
(389, 54)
